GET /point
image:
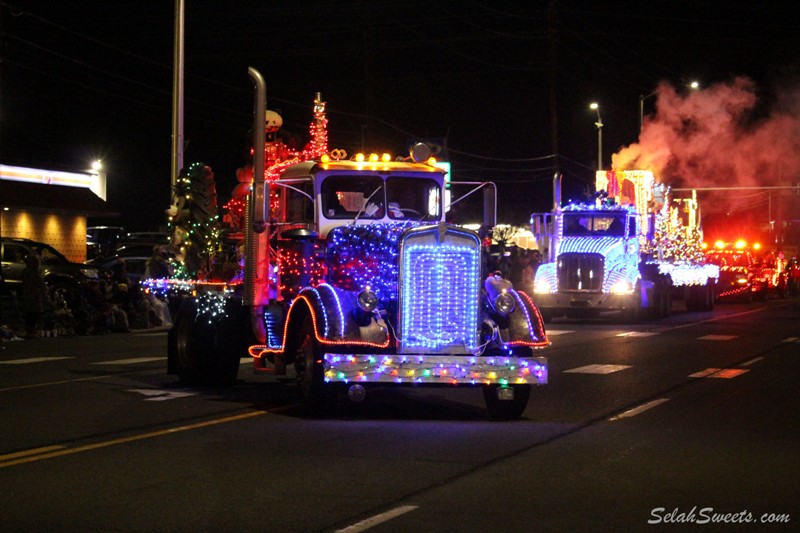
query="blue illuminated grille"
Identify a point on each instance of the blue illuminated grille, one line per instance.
(580, 272)
(439, 291)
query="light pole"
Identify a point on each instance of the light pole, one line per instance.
(693, 85)
(642, 98)
(599, 124)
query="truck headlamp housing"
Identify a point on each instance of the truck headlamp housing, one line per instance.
(367, 300)
(504, 303)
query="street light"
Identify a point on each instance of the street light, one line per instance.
(99, 178)
(599, 124)
(693, 85)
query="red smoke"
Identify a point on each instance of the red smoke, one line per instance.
(719, 136)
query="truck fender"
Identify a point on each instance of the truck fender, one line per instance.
(525, 324)
(337, 318)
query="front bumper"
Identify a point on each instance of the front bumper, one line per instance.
(434, 369)
(583, 301)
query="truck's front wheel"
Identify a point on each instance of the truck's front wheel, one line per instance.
(506, 409)
(310, 370)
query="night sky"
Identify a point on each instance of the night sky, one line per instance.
(502, 87)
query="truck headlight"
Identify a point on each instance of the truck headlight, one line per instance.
(622, 287)
(367, 300)
(504, 303)
(542, 286)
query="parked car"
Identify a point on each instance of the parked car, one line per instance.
(151, 238)
(57, 270)
(103, 240)
(134, 266)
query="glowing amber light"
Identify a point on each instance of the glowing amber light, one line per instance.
(431, 161)
(325, 158)
(757, 246)
(386, 158)
(719, 244)
(373, 158)
(740, 244)
(360, 158)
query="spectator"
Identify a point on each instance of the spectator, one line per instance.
(35, 295)
(157, 266)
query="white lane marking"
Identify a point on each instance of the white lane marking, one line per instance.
(724, 373)
(377, 519)
(752, 361)
(791, 339)
(640, 409)
(131, 361)
(555, 332)
(716, 337)
(597, 369)
(32, 360)
(637, 334)
(156, 395)
(245, 360)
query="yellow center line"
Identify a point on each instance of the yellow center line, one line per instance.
(50, 452)
(33, 451)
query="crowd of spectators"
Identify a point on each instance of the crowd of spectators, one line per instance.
(113, 303)
(518, 265)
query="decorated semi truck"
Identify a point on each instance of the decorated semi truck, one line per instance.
(349, 278)
(633, 250)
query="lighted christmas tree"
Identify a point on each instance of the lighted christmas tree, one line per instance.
(194, 222)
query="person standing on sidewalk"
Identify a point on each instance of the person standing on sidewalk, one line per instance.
(35, 296)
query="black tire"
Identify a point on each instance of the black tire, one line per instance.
(506, 409)
(694, 300)
(206, 353)
(310, 371)
(633, 313)
(661, 303)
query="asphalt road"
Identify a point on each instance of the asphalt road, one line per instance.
(682, 424)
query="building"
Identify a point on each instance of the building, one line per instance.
(51, 206)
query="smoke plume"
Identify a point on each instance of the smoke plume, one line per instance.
(720, 136)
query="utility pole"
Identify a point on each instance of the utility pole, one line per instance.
(177, 98)
(552, 26)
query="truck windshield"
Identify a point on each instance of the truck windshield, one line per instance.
(583, 224)
(345, 196)
(413, 198)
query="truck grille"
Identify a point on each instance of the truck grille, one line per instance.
(439, 285)
(580, 272)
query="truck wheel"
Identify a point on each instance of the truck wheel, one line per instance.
(711, 291)
(666, 302)
(506, 409)
(310, 371)
(632, 313)
(204, 354)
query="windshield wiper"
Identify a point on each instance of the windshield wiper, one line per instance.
(366, 202)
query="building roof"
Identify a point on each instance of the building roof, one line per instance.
(52, 199)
